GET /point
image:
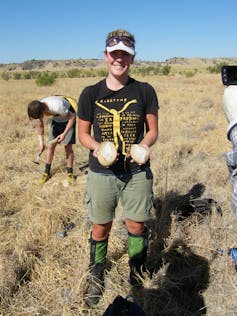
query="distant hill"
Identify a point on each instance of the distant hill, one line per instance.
(61, 65)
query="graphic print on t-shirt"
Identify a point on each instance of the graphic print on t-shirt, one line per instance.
(118, 126)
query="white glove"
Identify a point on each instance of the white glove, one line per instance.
(230, 106)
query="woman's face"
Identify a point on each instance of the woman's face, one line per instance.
(118, 62)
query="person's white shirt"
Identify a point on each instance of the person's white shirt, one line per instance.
(59, 106)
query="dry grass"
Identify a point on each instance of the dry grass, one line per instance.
(42, 274)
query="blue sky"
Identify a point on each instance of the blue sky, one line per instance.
(50, 29)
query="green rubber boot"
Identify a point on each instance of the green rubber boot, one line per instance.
(137, 251)
(95, 279)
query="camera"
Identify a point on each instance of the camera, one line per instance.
(229, 75)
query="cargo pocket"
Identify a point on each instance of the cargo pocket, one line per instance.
(87, 201)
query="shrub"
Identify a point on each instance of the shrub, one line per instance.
(5, 76)
(31, 75)
(46, 79)
(26, 75)
(17, 76)
(74, 73)
(145, 71)
(165, 70)
(102, 72)
(190, 73)
(216, 68)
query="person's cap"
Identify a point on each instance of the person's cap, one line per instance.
(120, 40)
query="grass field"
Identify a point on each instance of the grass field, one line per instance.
(42, 274)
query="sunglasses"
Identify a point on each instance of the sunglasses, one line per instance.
(114, 40)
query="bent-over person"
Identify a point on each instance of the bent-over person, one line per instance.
(62, 129)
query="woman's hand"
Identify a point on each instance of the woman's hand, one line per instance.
(140, 153)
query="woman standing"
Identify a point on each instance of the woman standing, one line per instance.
(123, 111)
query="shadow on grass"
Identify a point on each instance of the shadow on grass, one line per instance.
(178, 290)
(171, 204)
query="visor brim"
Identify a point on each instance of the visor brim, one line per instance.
(121, 46)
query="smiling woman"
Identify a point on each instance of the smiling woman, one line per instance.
(117, 109)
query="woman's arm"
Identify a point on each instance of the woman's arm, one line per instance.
(151, 130)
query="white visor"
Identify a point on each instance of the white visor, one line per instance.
(121, 46)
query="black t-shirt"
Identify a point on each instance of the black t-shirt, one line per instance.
(119, 117)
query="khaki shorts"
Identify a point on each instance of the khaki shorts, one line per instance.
(104, 191)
